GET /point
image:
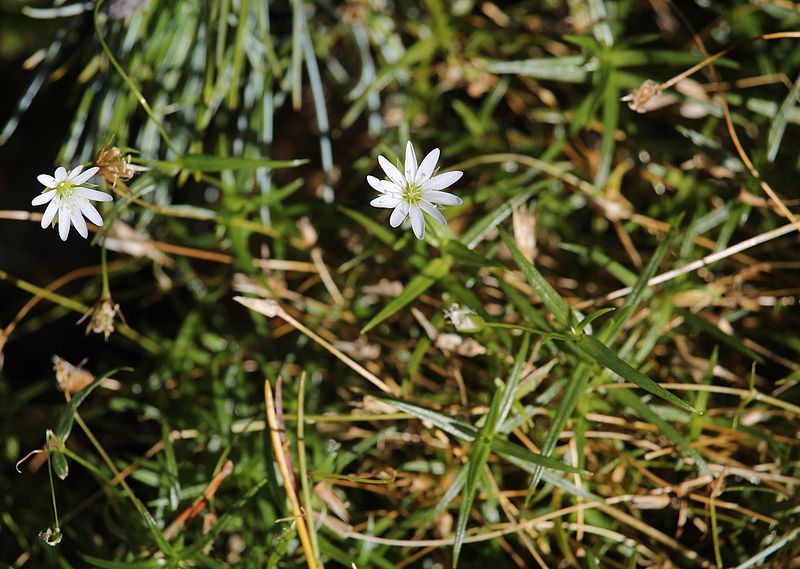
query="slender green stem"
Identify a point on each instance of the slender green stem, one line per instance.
(521, 328)
(53, 492)
(79, 307)
(110, 463)
(128, 81)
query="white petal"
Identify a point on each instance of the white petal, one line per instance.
(391, 171)
(382, 186)
(442, 198)
(443, 181)
(77, 221)
(88, 194)
(385, 201)
(428, 164)
(417, 222)
(42, 199)
(398, 215)
(61, 174)
(411, 162)
(49, 213)
(85, 176)
(46, 180)
(431, 210)
(77, 170)
(90, 212)
(63, 222)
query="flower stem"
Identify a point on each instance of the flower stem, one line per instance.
(128, 81)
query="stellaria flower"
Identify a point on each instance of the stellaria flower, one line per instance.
(414, 191)
(67, 196)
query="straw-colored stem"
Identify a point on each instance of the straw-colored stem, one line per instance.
(277, 447)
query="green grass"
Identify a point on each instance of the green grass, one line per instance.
(629, 398)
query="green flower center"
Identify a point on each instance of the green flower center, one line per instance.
(64, 189)
(412, 194)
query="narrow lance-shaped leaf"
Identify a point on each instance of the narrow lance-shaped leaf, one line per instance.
(607, 334)
(778, 126)
(67, 417)
(419, 284)
(554, 302)
(601, 353)
(510, 390)
(477, 458)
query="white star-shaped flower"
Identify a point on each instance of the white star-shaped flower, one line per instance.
(66, 195)
(415, 191)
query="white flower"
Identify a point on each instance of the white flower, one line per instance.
(70, 199)
(415, 191)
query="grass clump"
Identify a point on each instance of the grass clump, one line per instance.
(591, 364)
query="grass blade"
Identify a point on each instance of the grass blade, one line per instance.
(478, 455)
(437, 269)
(778, 126)
(554, 302)
(602, 354)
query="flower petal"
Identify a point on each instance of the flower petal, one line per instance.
(61, 174)
(90, 212)
(426, 168)
(443, 181)
(411, 162)
(391, 171)
(86, 175)
(431, 210)
(47, 181)
(77, 221)
(385, 201)
(442, 198)
(49, 213)
(43, 198)
(88, 194)
(417, 222)
(77, 170)
(399, 214)
(382, 186)
(63, 221)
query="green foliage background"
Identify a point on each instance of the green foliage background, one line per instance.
(524, 97)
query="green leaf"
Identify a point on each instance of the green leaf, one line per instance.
(629, 398)
(696, 424)
(599, 352)
(631, 303)
(586, 322)
(376, 229)
(554, 302)
(458, 429)
(699, 323)
(508, 449)
(778, 125)
(211, 163)
(466, 432)
(67, 417)
(478, 455)
(603, 261)
(568, 69)
(229, 516)
(437, 269)
(478, 230)
(574, 389)
(462, 253)
(109, 564)
(510, 390)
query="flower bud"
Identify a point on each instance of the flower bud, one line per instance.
(464, 319)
